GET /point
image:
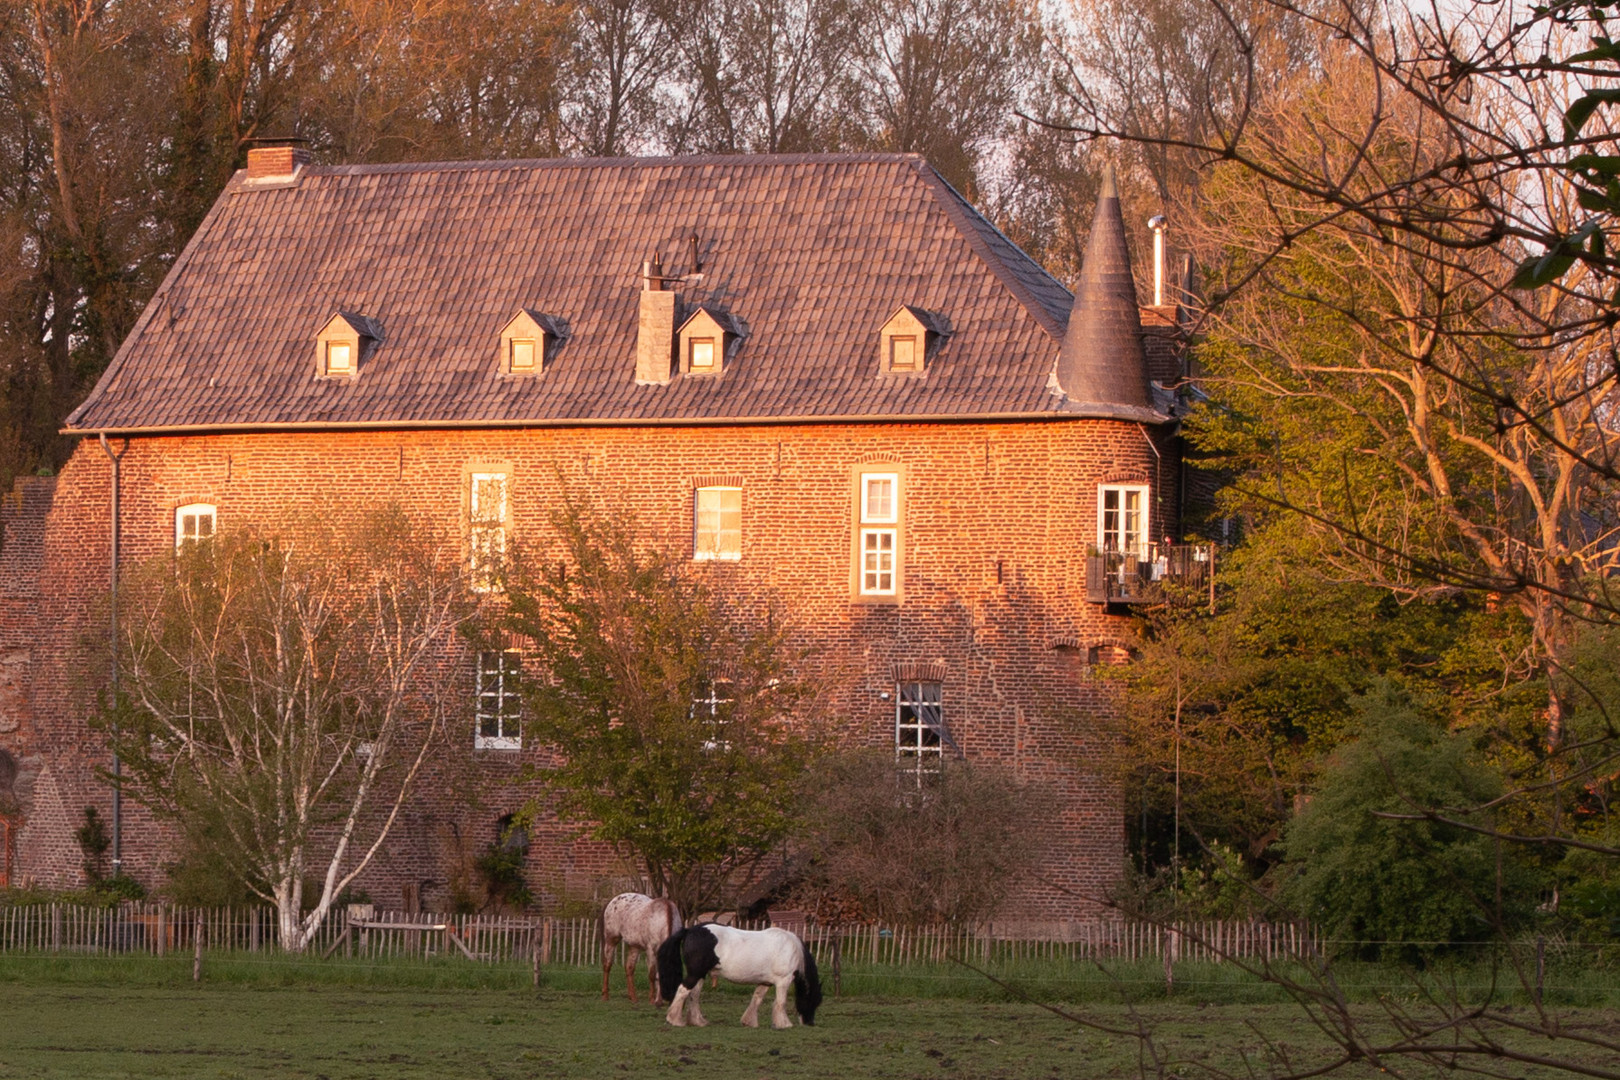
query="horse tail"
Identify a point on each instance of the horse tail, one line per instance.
(669, 963)
(807, 987)
(674, 914)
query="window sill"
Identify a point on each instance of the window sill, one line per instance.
(482, 743)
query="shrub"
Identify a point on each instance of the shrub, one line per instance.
(1380, 887)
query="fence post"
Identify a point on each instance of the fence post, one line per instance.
(1541, 964)
(838, 964)
(196, 955)
(534, 947)
(1168, 944)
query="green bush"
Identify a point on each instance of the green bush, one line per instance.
(1383, 888)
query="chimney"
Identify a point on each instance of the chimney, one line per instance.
(655, 335)
(276, 162)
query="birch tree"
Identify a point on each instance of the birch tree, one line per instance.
(281, 695)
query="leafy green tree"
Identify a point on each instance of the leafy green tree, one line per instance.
(679, 726)
(1382, 886)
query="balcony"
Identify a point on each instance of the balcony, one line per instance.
(1171, 573)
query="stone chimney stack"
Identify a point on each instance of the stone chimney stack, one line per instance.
(655, 336)
(276, 162)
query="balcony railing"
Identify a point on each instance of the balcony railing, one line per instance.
(1169, 573)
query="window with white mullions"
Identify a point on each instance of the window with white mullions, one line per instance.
(498, 700)
(920, 736)
(879, 533)
(193, 523)
(1122, 519)
(712, 707)
(717, 523)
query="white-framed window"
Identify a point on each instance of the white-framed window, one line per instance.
(1122, 519)
(339, 358)
(486, 526)
(522, 355)
(193, 523)
(717, 523)
(879, 542)
(702, 357)
(919, 729)
(712, 707)
(498, 700)
(903, 353)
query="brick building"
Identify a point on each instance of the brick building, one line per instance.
(826, 376)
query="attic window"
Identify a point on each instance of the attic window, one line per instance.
(527, 342)
(522, 357)
(339, 358)
(906, 340)
(343, 345)
(903, 353)
(704, 338)
(702, 358)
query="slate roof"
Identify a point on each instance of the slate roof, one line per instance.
(810, 253)
(1102, 361)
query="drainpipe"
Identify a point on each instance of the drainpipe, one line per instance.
(1158, 474)
(117, 769)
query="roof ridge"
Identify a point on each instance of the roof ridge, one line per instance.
(665, 161)
(971, 223)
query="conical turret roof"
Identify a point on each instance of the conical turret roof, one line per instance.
(1101, 362)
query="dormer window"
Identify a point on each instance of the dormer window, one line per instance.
(342, 345)
(704, 338)
(339, 358)
(528, 341)
(903, 353)
(702, 358)
(522, 354)
(907, 339)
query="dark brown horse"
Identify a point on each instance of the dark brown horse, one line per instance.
(642, 923)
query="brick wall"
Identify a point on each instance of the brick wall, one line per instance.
(998, 518)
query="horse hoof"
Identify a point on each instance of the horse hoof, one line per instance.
(700, 1022)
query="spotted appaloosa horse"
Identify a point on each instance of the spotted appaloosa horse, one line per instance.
(765, 958)
(641, 922)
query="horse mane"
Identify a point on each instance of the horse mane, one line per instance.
(807, 987)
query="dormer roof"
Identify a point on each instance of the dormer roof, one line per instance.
(817, 249)
(1101, 365)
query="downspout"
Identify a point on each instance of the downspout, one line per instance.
(117, 766)
(1158, 473)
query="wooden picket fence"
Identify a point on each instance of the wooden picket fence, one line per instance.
(157, 929)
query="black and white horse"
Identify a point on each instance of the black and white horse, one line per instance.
(762, 958)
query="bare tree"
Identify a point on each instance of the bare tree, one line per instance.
(280, 696)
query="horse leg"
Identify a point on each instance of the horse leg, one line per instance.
(632, 953)
(695, 1000)
(676, 1017)
(655, 991)
(779, 1013)
(607, 963)
(751, 1014)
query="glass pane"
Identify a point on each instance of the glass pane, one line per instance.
(338, 356)
(702, 353)
(903, 353)
(877, 499)
(522, 354)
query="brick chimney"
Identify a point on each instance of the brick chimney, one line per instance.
(276, 162)
(655, 334)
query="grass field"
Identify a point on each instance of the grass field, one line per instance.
(132, 1017)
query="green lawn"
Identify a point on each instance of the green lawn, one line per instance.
(127, 1018)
